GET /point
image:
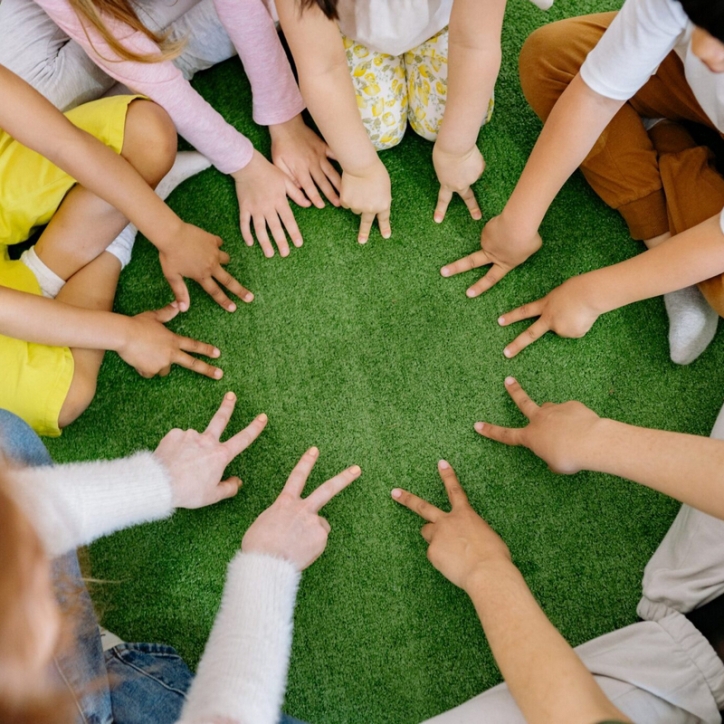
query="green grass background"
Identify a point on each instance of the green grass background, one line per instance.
(367, 352)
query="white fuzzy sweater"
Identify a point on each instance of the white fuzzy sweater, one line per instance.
(242, 675)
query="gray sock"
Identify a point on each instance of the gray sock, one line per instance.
(693, 324)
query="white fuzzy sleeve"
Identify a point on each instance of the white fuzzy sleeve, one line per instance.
(242, 675)
(72, 505)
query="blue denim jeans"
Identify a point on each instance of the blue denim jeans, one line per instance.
(130, 683)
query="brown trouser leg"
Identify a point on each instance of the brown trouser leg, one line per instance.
(659, 182)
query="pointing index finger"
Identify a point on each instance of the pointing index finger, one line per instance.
(221, 417)
(521, 399)
(298, 477)
(325, 492)
(471, 261)
(417, 505)
(455, 492)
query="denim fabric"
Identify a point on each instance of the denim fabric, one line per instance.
(148, 682)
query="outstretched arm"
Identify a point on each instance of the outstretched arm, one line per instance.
(549, 682)
(570, 437)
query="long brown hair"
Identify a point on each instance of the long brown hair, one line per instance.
(93, 12)
(21, 554)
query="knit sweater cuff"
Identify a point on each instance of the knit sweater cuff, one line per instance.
(242, 675)
(72, 505)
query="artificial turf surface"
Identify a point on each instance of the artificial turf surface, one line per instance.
(368, 353)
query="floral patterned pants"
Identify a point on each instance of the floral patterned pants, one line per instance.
(392, 90)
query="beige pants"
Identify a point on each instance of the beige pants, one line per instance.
(659, 181)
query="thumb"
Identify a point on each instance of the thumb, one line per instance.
(180, 291)
(167, 313)
(228, 488)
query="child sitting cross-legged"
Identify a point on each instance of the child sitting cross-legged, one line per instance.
(55, 302)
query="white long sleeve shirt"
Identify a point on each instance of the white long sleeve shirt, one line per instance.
(242, 675)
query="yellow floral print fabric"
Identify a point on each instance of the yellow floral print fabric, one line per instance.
(394, 89)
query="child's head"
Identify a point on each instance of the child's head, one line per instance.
(707, 42)
(328, 7)
(92, 12)
(30, 623)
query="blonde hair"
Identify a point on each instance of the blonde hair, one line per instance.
(93, 12)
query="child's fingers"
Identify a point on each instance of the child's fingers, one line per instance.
(325, 186)
(383, 220)
(468, 196)
(417, 505)
(221, 417)
(277, 231)
(443, 201)
(239, 442)
(196, 365)
(494, 275)
(261, 234)
(527, 311)
(223, 277)
(215, 292)
(298, 477)
(180, 292)
(290, 224)
(365, 227)
(224, 258)
(227, 489)
(471, 261)
(296, 194)
(325, 492)
(520, 397)
(455, 493)
(507, 435)
(331, 173)
(187, 344)
(533, 333)
(245, 223)
(310, 189)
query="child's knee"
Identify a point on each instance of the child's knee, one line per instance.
(150, 141)
(80, 395)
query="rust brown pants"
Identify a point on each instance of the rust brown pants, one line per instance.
(659, 180)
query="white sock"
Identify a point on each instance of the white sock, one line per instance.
(186, 165)
(693, 324)
(50, 283)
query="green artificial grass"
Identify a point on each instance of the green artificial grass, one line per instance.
(368, 353)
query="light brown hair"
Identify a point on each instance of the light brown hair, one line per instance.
(93, 12)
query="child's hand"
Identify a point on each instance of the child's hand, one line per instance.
(462, 544)
(262, 190)
(558, 434)
(456, 174)
(500, 248)
(196, 461)
(369, 194)
(151, 349)
(304, 157)
(196, 254)
(566, 311)
(291, 528)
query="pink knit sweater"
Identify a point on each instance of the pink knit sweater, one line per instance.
(251, 29)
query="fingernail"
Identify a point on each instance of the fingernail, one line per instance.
(284, 254)
(443, 464)
(362, 241)
(355, 470)
(471, 293)
(438, 219)
(218, 374)
(174, 304)
(262, 417)
(314, 451)
(445, 271)
(388, 235)
(217, 352)
(507, 352)
(183, 306)
(501, 320)
(232, 307)
(479, 426)
(396, 493)
(510, 381)
(298, 242)
(230, 396)
(249, 297)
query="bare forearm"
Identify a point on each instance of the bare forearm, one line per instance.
(46, 321)
(688, 468)
(549, 682)
(575, 123)
(685, 259)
